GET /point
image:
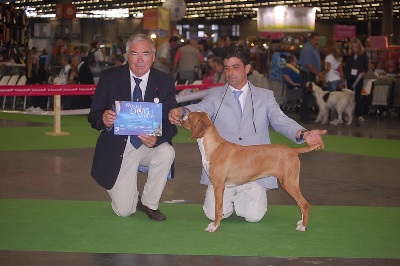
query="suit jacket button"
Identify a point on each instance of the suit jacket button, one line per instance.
(121, 155)
(240, 138)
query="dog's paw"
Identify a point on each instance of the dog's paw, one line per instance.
(211, 228)
(300, 226)
(334, 122)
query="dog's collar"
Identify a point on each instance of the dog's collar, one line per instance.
(184, 116)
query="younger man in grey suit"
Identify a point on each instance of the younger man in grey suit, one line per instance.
(249, 127)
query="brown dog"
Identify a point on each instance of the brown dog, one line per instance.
(221, 161)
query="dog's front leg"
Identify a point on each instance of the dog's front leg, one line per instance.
(219, 200)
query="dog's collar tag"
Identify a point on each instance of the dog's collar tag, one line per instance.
(184, 116)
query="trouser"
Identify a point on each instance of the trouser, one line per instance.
(357, 94)
(124, 194)
(248, 200)
(307, 94)
(333, 85)
(40, 101)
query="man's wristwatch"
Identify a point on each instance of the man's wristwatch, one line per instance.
(301, 137)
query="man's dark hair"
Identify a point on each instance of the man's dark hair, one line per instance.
(290, 58)
(120, 58)
(238, 51)
(312, 35)
(174, 38)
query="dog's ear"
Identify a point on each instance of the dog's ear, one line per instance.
(310, 87)
(198, 131)
(198, 124)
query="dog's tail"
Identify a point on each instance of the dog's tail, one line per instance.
(307, 149)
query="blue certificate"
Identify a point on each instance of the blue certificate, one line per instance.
(137, 118)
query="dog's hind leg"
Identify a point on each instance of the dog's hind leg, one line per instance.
(219, 200)
(340, 110)
(349, 112)
(292, 186)
(320, 116)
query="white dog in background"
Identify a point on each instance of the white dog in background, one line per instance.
(342, 102)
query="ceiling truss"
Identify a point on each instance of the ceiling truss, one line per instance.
(223, 9)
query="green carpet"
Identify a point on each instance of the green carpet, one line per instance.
(83, 136)
(81, 133)
(90, 226)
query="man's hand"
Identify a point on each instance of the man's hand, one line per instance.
(175, 115)
(148, 141)
(313, 137)
(109, 117)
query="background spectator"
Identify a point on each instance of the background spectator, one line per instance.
(355, 70)
(36, 74)
(187, 58)
(333, 71)
(310, 71)
(256, 78)
(291, 74)
(219, 76)
(209, 70)
(84, 76)
(119, 60)
(163, 60)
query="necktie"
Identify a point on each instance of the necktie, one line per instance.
(137, 92)
(137, 97)
(236, 94)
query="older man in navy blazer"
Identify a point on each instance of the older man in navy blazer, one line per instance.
(116, 160)
(247, 127)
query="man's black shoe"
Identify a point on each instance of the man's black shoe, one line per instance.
(155, 215)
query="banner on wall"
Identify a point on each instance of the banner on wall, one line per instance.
(157, 18)
(163, 18)
(150, 17)
(341, 32)
(286, 19)
(273, 35)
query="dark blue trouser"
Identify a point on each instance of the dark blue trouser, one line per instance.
(307, 95)
(357, 94)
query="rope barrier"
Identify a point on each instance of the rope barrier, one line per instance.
(73, 89)
(79, 89)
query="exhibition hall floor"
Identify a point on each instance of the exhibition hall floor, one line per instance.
(41, 189)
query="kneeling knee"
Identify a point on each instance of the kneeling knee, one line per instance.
(123, 214)
(210, 213)
(167, 151)
(254, 217)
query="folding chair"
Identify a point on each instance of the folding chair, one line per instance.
(380, 97)
(4, 81)
(13, 81)
(21, 82)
